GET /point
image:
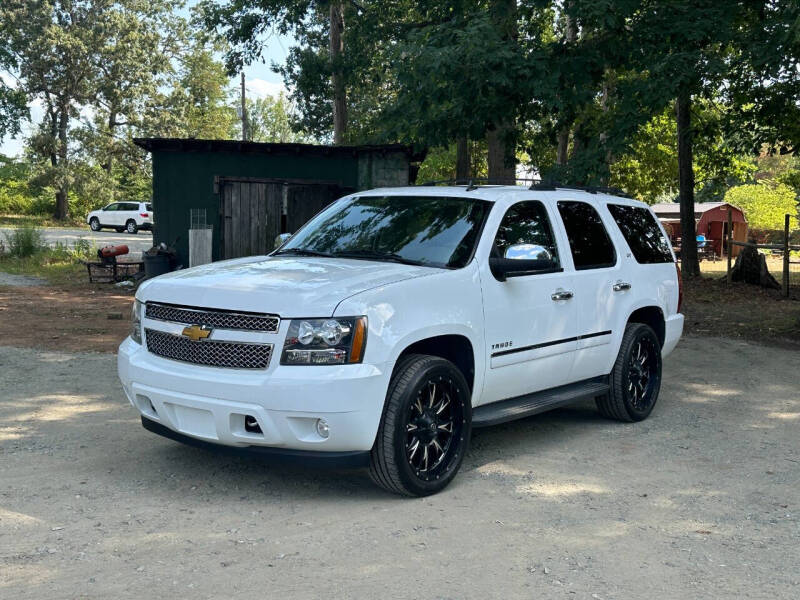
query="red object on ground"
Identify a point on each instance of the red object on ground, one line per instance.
(110, 251)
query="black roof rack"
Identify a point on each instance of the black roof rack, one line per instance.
(535, 184)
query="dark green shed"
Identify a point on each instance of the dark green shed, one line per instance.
(253, 191)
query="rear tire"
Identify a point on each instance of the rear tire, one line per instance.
(635, 380)
(94, 224)
(425, 427)
(131, 227)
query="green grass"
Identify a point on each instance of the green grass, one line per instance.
(23, 252)
(7, 220)
(56, 269)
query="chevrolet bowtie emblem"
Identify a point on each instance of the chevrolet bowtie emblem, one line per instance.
(196, 332)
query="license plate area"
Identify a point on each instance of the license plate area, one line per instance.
(194, 421)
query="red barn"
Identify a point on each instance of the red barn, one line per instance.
(711, 220)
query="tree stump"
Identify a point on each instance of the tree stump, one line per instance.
(751, 267)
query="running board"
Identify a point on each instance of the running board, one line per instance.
(537, 402)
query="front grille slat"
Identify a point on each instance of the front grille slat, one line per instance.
(213, 318)
(211, 353)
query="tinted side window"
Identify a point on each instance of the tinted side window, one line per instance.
(588, 239)
(525, 233)
(114, 206)
(129, 206)
(640, 230)
(148, 207)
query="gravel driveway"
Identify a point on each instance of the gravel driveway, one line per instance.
(700, 501)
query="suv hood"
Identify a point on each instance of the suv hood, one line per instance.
(283, 285)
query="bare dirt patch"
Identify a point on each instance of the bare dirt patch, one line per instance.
(741, 311)
(68, 318)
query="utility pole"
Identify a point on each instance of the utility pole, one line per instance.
(244, 111)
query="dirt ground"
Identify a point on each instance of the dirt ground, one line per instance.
(77, 318)
(742, 311)
(700, 501)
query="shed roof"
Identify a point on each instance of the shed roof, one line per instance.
(674, 208)
(199, 145)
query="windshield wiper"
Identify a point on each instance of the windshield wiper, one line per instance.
(302, 252)
(375, 255)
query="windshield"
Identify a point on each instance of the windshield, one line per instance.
(426, 230)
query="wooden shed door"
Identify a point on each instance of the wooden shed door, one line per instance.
(251, 217)
(306, 200)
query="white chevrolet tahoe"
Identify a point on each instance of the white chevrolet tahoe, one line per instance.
(396, 320)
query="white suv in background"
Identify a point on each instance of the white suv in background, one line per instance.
(122, 216)
(396, 320)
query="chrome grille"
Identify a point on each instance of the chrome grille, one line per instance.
(213, 318)
(211, 353)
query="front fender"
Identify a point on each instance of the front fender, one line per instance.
(402, 313)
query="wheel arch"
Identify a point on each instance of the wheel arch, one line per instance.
(652, 316)
(456, 348)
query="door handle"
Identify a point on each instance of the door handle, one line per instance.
(621, 286)
(560, 295)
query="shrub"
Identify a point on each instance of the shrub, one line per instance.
(765, 204)
(24, 241)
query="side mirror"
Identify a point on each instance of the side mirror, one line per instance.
(503, 268)
(281, 239)
(528, 252)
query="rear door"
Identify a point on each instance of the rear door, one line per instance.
(600, 288)
(130, 211)
(530, 321)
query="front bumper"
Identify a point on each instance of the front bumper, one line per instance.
(210, 404)
(267, 453)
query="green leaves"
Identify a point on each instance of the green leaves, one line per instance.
(765, 204)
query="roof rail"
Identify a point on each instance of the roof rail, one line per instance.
(535, 184)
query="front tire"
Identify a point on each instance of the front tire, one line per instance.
(94, 224)
(635, 380)
(131, 227)
(425, 427)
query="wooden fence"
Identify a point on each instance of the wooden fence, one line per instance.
(785, 247)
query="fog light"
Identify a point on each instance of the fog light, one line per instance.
(251, 424)
(322, 428)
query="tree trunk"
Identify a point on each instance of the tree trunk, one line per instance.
(62, 190)
(751, 267)
(563, 147)
(112, 124)
(501, 155)
(570, 36)
(690, 267)
(336, 47)
(462, 157)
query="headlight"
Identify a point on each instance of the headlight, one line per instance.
(136, 321)
(336, 341)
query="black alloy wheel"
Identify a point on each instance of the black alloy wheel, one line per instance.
(635, 380)
(425, 428)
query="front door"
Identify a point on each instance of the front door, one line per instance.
(112, 214)
(530, 320)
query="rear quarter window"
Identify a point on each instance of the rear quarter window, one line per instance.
(644, 236)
